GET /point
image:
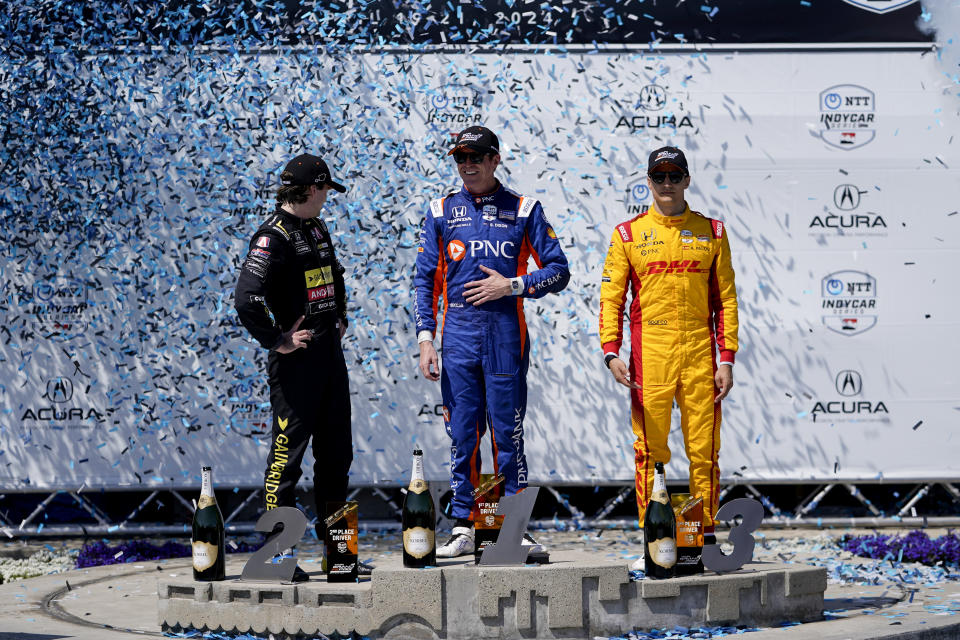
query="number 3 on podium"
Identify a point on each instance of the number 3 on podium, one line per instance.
(751, 512)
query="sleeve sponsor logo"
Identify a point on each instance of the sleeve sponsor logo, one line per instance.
(551, 233)
(263, 242)
(546, 282)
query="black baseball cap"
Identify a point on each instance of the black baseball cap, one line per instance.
(478, 139)
(667, 155)
(308, 169)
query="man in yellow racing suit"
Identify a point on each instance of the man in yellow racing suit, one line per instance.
(676, 262)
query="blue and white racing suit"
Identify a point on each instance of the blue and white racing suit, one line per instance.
(485, 349)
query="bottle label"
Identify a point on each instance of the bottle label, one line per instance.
(418, 541)
(417, 486)
(659, 483)
(206, 501)
(663, 552)
(660, 496)
(204, 555)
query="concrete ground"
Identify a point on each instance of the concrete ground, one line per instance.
(864, 598)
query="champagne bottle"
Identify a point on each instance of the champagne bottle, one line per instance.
(419, 520)
(209, 562)
(660, 530)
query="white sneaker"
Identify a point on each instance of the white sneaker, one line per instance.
(535, 547)
(638, 565)
(460, 543)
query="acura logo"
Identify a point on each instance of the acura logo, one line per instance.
(652, 98)
(849, 383)
(846, 197)
(59, 389)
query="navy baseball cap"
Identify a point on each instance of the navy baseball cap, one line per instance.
(667, 155)
(308, 169)
(477, 139)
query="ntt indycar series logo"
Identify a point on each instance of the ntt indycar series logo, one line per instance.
(849, 302)
(638, 197)
(60, 306)
(456, 105)
(847, 116)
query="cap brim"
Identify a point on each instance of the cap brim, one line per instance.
(470, 147)
(336, 185)
(663, 163)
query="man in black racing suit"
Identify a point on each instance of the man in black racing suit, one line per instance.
(290, 296)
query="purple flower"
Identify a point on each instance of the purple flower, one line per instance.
(915, 546)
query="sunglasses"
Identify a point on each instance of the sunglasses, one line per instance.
(676, 177)
(475, 158)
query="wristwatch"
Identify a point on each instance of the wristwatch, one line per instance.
(516, 286)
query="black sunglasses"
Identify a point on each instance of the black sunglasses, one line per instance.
(676, 177)
(476, 158)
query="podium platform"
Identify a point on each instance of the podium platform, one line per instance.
(578, 595)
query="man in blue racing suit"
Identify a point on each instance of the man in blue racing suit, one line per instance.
(474, 248)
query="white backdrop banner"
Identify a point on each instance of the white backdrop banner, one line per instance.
(122, 362)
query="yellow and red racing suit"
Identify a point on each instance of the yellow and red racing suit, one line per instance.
(679, 271)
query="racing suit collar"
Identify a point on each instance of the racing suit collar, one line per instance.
(286, 215)
(668, 221)
(477, 198)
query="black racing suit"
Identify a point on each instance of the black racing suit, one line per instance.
(291, 270)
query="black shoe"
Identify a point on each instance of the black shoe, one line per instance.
(364, 569)
(299, 575)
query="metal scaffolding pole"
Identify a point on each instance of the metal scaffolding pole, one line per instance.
(39, 509)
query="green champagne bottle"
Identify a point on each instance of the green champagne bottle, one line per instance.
(419, 520)
(209, 562)
(660, 530)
